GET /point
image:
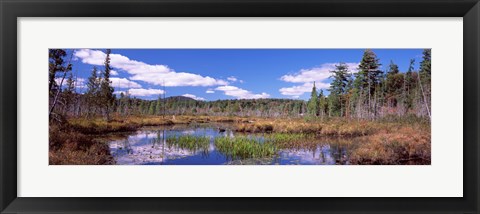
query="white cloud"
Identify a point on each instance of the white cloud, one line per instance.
(79, 83)
(232, 78)
(153, 74)
(124, 83)
(296, 91)
(141, 92)
(317, 74)
(177, 79)
(113, 72)
(307, 76)
(58, 80)
(210, 91)
(240, 93)
(194, 97)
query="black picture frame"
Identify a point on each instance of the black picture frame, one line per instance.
(10, 10)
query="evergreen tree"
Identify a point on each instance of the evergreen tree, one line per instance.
(69, 92)
(410, 86)
(394, 84)
(322, 105)
(70, 84)
(393, 68)
(159, 106)
(122, 104)
(55, 64)
(425, 78)
(141, 107)
(426, 66)
(106, 90)
(92, 94)
(93, 82)
(312, 106)
(367, 79)
(151, 110)
(338, 89)
(410, 81)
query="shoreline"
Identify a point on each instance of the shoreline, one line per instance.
(386, 142)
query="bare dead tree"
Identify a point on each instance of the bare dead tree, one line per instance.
(424, 98)
(60, 86)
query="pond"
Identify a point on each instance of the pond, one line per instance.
(152, 146)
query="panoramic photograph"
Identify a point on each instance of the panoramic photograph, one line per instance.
(239, 106)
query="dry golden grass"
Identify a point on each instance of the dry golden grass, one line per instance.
(402, 146)
(376, 142)
(100, 126)
(324, 128)
(68, 147)
(69, 154)
(389, 141)
(121, 124)
(71, 142)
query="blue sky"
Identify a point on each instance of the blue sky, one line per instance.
(212, 74)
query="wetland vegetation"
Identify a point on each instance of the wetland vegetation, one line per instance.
(369, 117)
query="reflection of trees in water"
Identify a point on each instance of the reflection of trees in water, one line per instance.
(160, 141)
(339, 154)
(323, 155)
(127, 146)
(311, 150)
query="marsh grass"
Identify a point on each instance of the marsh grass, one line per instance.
(261, 145)
(69, 147)
(189, 142)
(242, 147)
(407, 145)
(98, 126)
(390, 140)
(393, 145)
(285, 137)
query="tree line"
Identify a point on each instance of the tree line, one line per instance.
(64, 100)
(369, 93)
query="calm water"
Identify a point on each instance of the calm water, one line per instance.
(148, 147)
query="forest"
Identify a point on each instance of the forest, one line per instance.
(368, 94)
(370, 97)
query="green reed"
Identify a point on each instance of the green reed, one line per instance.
(189, 142)
(244, 147)
(287, 137)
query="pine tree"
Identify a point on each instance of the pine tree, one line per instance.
(338, 89)
(312, 105)
(106, 90)
(69, 92)
(141, 107)
(393, 68)
(159, 105)
(122, 104)
(367, 79)
(426, 66)
(151, 109)
(322, 108)
(92, 94)
(55, 64)
(425, 78)
(394, 84)
(410, 86)
(70, 84)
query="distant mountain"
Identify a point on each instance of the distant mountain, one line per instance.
(179, 98)
(183, 98)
